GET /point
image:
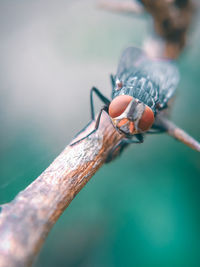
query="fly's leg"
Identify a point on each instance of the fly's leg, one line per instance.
(178, 133)
(96, 126)
(82, 130)
(106, 101)
(120, 146)
(140, 138)
(156, 129)
(112, 79)
(113, 83)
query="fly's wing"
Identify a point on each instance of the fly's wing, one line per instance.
(130, 60)
(162, 73)
(165, 76)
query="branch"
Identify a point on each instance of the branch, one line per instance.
(126, 7)
(177, 133)
(172, 20)
(26, 221)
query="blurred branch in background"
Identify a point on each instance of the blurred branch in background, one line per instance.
(26, 221)
(127, 7)
(172, 19)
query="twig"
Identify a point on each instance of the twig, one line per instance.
(26, 221)
(177, 133)
(172, 19)
(127, 7)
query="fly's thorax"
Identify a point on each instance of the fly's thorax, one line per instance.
(129, 115)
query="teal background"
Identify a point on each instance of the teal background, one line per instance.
(143, 208)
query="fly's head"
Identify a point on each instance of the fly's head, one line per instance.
(130, 116)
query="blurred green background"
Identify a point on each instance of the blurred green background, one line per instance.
(143, 208)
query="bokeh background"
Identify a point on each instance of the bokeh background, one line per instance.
(140, 210)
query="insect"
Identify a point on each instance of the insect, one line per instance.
(141, 90)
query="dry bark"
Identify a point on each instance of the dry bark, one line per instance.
(26, 221)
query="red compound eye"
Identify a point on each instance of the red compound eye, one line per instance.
(146, 120)
(118, 105)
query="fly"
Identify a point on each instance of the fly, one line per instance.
(141, 90)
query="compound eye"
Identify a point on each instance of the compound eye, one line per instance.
(118, 105)
(146, 120)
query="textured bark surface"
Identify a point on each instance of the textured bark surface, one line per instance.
(26, 221)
